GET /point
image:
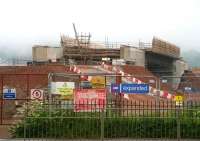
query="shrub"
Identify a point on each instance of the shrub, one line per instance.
(50, 122)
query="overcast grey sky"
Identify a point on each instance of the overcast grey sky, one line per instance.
(27, 22)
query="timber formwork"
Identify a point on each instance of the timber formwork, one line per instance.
(90, 53)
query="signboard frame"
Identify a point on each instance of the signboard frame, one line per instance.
(9, 93)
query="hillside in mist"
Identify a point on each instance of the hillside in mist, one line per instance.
(14, 56)
(192, 57)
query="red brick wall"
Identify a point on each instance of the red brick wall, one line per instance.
(23, 79)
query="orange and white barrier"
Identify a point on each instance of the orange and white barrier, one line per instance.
(129, 78)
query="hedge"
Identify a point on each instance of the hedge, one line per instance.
(113, 128)
(39, 122)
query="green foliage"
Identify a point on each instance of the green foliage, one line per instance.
(51, 122)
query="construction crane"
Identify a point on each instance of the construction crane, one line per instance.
(76, 36)
(82, 41)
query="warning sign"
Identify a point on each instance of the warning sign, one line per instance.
(64, 89)
(98, 82)
(179, 100)
(37, 94)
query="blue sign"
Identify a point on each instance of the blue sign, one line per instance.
(115, 88)
(130, 88)
(135, 88)
(9, 94)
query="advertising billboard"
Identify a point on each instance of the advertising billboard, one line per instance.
(89, 100)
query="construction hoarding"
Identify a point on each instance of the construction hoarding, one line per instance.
(89, 100)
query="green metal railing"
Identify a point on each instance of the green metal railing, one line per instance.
(125, 120)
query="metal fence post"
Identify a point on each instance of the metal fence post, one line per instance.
(1, 110)
(50, 75)
(178, 124)
(24, 130)
(158, 97)
(26, 114)
(102, 124)
(1, 101)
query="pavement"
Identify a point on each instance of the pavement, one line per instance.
(4, 132)
(99, 140)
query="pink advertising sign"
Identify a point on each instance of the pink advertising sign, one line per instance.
(89, 100)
